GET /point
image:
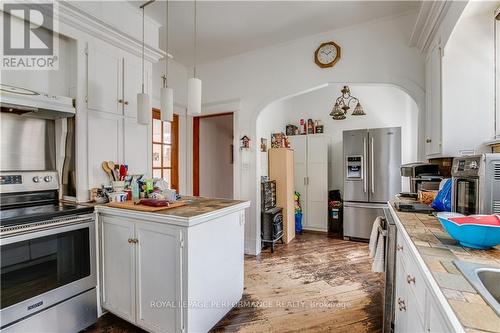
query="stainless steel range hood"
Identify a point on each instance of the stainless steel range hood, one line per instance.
(28, 103)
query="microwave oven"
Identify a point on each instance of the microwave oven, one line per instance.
(476, 184)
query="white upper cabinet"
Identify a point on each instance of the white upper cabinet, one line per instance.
(132, 84)
(114, 79)
(104, 79)
(433, 113)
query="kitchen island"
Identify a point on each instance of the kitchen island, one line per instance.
(432, 294)
(175, 270)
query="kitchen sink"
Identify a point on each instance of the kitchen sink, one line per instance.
(485, 279)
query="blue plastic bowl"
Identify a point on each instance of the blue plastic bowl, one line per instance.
(475, 236)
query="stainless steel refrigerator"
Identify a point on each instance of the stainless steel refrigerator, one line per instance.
(372, 161)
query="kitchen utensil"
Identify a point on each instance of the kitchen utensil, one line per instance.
(107, 170)
(474, 231)
(111, 166)
(117, 171)
(123, 172)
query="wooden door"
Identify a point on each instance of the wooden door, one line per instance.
(117, 266)
(159, 276)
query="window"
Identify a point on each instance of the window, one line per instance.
(165, 149)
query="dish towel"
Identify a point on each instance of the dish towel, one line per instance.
(376, 247)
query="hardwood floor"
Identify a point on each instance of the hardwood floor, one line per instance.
(314, 284)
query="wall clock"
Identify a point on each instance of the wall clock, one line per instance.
(327, 54)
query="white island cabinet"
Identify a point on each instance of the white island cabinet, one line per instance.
(179, 270)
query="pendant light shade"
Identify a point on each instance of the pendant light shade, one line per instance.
(167, 104)
(194, 96)
(143, 109)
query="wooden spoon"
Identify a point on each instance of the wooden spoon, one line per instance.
(111, 166)
(107, 170)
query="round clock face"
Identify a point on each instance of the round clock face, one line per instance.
(327, 54)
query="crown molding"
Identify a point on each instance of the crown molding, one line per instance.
(73, 16)
(83, 21)
(430, 17)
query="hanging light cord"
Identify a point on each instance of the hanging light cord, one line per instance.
(166, 46)
(143, 9)
(194, 38)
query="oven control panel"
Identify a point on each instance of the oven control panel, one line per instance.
(468, 166)
(11, 179)
(24, 181)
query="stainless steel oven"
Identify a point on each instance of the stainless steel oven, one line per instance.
(45, 264)
(476, 184)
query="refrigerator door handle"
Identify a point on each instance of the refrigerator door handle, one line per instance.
(372, 166)
(365, 181)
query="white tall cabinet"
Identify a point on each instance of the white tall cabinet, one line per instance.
(113, 80)
(311, 178)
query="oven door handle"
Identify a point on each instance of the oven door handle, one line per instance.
(42, 230)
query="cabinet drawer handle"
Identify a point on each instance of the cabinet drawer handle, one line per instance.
(136, 241)
(131, 240)
(428, 140)
(410, 279)
(123, 101)
(399, 247)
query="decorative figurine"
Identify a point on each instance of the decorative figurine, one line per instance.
(245, 142)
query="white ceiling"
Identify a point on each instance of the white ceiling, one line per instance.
(227, 28)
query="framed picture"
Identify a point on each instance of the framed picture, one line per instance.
(263, 144)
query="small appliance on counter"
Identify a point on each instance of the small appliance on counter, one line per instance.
(421, 176)
(475, 185)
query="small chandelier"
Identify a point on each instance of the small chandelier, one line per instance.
(342, 103)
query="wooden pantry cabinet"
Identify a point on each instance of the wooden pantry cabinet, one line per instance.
(281, 169)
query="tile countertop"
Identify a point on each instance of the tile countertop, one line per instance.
(197, 210)
(438, 250)
(198, 206)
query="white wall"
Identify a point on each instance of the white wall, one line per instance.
(216, 169)
(375, 52)
(177, 80)
(385, 106)
(469, 82)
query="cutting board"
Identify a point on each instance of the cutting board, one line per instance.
(143, 208)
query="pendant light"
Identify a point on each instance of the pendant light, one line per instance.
(167, 94)
(143, 102)
(194, 84)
